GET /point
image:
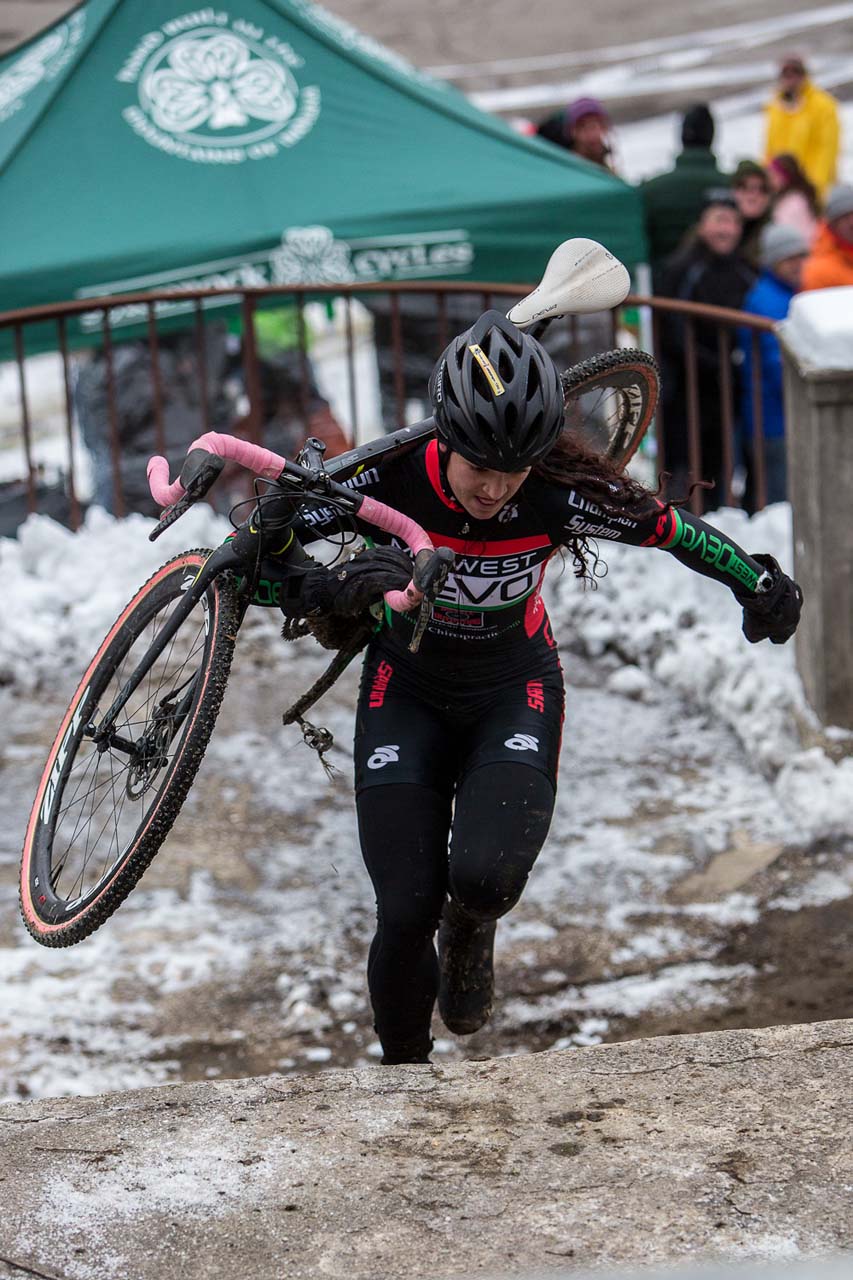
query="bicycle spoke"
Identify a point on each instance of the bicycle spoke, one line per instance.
(111, 786)
(106, 782)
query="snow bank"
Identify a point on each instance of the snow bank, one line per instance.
(683, 630)
(63, 590)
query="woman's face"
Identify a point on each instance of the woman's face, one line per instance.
(753, 197)
(482, 492)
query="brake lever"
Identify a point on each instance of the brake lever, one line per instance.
(200, 471)
(430, 574)
(170, 515)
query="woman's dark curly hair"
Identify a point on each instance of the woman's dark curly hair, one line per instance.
(573, 464)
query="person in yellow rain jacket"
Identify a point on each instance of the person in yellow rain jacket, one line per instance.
(802, 120)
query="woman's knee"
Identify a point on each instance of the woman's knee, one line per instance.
(488, 894)
(503, 813)
(408, 921)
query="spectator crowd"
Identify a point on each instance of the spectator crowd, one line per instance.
(747, 240)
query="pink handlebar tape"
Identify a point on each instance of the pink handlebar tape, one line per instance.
(251, 456)
(270, 465)
(403, 527)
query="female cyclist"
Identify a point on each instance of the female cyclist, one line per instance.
(456, 747)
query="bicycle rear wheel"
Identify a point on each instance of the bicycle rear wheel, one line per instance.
(103, 809)
(611, 400)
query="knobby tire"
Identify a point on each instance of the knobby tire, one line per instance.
(631, 378)
(53, 920)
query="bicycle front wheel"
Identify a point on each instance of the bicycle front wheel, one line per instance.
(611, 400)
(104, 806)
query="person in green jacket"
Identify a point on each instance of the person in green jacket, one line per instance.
(673, 200)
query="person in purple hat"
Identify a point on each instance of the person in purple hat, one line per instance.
(583, 128)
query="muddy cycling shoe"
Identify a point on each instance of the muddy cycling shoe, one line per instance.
(397, 1055)
(466, 970)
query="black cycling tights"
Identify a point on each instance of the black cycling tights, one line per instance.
(501, 819)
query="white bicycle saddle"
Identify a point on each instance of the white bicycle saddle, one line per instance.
(581, 276)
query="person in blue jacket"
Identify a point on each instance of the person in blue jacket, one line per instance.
(782, 252)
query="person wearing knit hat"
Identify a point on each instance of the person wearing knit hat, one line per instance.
(830, 262)
(720, 198)
(803, 121)
(581, 127)
(782, 251)
(589, 124)
(697, 126)
(838, 205)
(672, 201)
(751, 189)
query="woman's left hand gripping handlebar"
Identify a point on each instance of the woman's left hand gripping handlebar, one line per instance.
(348, 589)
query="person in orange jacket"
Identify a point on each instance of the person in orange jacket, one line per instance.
(802, 120)
(831, 259)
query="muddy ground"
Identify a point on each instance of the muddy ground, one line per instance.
(151, 994)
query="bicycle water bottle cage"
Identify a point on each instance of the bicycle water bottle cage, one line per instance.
(199, 472)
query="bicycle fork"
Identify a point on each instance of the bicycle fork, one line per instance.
(104, 734)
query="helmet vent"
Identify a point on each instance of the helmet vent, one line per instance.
(533, 381)
(506, 368)
(480, 381)
(485, 430)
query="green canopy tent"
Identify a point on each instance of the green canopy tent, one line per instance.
(147, 146)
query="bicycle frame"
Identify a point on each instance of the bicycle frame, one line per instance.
(244, 548)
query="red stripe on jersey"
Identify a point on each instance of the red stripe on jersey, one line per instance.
(665, 529)
(433, 469)
(476, 547)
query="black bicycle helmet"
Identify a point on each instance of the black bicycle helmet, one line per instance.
(496, 396)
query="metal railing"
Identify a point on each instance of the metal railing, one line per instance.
(417, 320)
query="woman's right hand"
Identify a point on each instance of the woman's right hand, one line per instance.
(349, 588)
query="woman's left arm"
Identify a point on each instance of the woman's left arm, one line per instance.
(771, 601)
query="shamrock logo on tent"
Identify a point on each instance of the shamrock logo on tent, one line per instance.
(43, 60)
(215, 81)
(311, 255)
